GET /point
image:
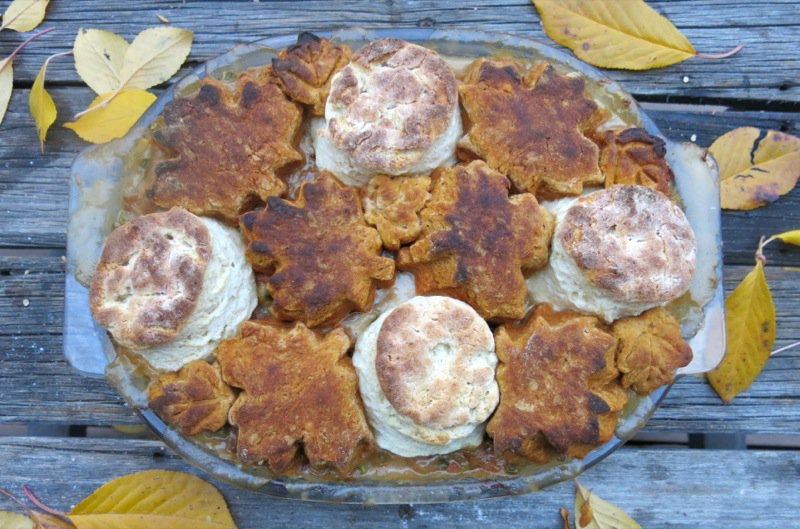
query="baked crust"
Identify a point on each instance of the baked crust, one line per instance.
(531, 126)
(193, 399)
(477, 243)
(322, 257)
(305, 69)
(228, 146)
(631, 241)
(299, 394)
(149, 277)
(392, 205)
(388, 107)
(633, 156)
(559, 391)
(650, 349)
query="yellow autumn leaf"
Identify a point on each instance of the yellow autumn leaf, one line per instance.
(154, 56)
(48, 521)
(114, 119)
(12, 520)
(24, 15)
(42, 106)
(6, 86)
(153, 499)
(755, 170)
(593, 512)
(99, 56)
(750, 324)
(614, 34)
(790, 237)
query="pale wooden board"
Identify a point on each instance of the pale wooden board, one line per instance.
(38, 385)
(766, 70)
(674, 488)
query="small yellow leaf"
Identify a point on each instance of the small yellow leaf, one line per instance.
(790, 237)
(750, 324)
(24, 15)
(42, 106)
(6, 86)
(755, 170)
(12, 520)
(154, 56)
(99, 55)
(153, 499)
(113, 120)
(614, 34)
(593, 512)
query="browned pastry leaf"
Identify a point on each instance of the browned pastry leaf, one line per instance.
(532, 126)
(299, 392)
(632, 156)
(304, 70)
(392, 205)
(229, 146)
(192, 399)
(650, 349)
(559, 393)
(323, 258)
(477, 244)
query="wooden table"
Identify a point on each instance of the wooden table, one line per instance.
(687, 478)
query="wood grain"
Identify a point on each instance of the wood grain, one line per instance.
(766, 71)
(676, 488)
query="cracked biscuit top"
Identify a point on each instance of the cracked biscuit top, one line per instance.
(322, 257)
(631, 241)
(531, 126)
(228, 146)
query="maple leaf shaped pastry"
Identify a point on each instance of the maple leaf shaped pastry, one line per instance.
(559, 389)
(532, 127)
(322, 257)
(229, 146)
(392, 205)
(633, 156)
(304, 69)
(299, 392)
(477, 243)
(651, 348)
(193, 399)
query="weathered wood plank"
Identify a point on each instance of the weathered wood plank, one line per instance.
(765, 71)
(676, 488)
(38, 385)
(34, 186)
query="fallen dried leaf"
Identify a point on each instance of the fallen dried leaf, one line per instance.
(42, 106)
(6, 85)
(154, 498)
(750, 324)
(593, 512)
(755, 169)
(154, 56)
(24, 15)
(99, 55)
(790, 237)
(612, 34)
(12, 520)
(114, 119)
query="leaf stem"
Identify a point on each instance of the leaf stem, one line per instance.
(16, 500)
(785, 348)
(39, 503)
(722, 55)
(762, 242)
(21, 46)
(99, 105)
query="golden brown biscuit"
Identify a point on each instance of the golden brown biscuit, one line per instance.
(650, 349)
(478, 244)
(559, 393)
(229, 146)
(392, 205)
(150, 276)
(632, 156)
(531, 126)
(304, 69)
(323, 258)
(192, 399)
(299, 392)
